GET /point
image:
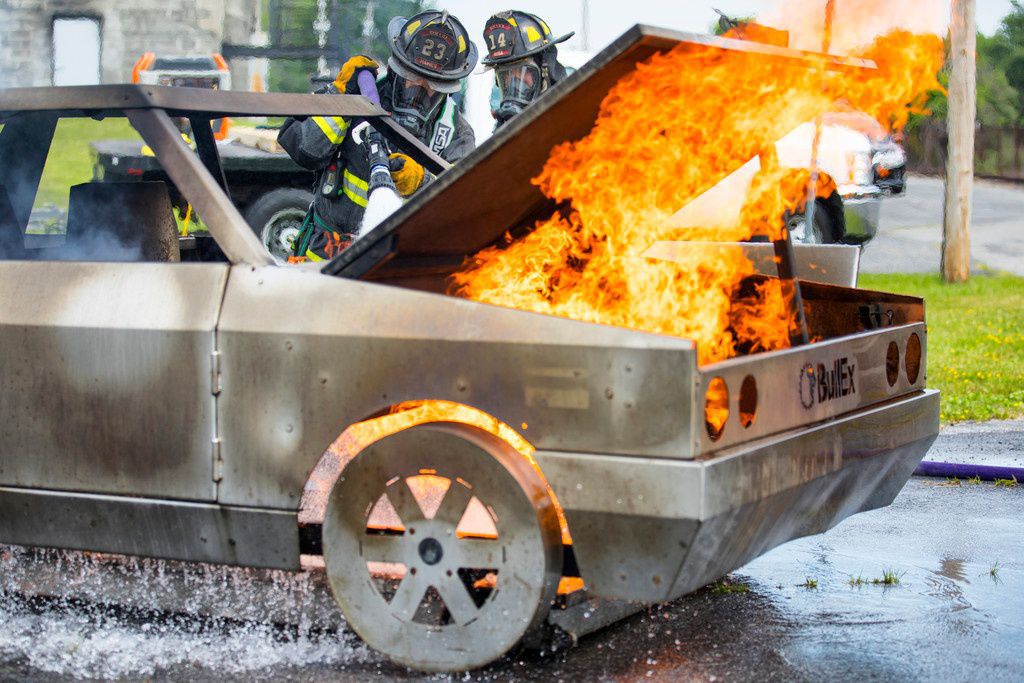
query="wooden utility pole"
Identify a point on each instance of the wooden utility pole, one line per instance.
(956, 235)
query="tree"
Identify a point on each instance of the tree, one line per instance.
(291, 23)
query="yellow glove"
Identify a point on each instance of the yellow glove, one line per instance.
(345, 81)
(407, 174)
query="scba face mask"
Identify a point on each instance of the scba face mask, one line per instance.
(415, 103)
(519, 84)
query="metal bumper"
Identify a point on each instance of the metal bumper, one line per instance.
(650, 530)
(862, 216)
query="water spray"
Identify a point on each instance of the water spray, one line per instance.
(382, 195)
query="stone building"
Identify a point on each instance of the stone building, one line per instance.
(77, 42)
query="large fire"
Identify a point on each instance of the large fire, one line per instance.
(665, 134)
(403, 416)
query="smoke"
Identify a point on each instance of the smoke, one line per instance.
(856, 23)
(129, 221)
(99, 244)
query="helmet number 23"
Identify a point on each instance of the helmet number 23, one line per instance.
(432, 49)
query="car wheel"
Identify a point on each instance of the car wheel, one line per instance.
(277, 218)
(820, 232)
(442, 547)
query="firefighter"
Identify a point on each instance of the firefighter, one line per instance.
(431, 55)
(521, 49)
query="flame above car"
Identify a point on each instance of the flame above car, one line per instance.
(680, 118)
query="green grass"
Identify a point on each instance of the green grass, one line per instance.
(1007, 483)
(975, 341)
(809, 584)
(70, 159)
(727, 585)
(889, 578)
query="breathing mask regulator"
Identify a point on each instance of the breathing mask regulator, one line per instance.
(430, 55)
(521, 49)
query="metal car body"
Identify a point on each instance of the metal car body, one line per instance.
(175, 410)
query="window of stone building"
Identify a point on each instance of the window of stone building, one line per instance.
(76, 51)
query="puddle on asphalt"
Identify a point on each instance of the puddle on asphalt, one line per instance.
(950, 616)
(88, 641)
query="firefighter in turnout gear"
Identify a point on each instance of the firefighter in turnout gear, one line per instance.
(431, 54)
(521, 49)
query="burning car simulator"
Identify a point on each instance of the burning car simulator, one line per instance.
(508, 473)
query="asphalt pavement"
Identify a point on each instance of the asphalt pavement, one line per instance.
(910, 234)
(954, 611)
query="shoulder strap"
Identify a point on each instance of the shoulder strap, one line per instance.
(444, 129)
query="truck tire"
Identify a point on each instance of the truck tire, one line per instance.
(821, 232)
(276, 218)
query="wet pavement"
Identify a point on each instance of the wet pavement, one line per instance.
(956, 613)
(910, 234)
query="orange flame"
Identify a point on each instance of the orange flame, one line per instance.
(403, 416)
(665, 134)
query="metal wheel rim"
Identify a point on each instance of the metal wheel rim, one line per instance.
(528, 543)
(280, 232)
(798, 233)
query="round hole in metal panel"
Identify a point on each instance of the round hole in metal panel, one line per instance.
(748, 401)
(892, 363)
(716, 408)
(913, 358)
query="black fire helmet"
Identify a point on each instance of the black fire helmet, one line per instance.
(512, 35)
(433, 45)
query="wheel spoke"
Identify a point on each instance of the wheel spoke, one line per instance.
(456, 598)
(476, 553)
(404, 502)
(408, 597)
(454, 504)
(382, 548)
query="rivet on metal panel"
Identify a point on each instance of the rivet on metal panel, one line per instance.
(609, 393)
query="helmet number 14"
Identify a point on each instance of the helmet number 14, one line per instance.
(497, 39)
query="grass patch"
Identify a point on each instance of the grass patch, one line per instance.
(890, 577)
(810, 584)
(975, 480)
(994, 571)
(975, 341)
(1007, 483)
(70, 160)
(727, 585)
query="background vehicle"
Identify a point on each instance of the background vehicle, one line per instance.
(589, 449)
(271, 190)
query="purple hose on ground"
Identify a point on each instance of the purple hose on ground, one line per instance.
(368, 86)
(953, 469)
